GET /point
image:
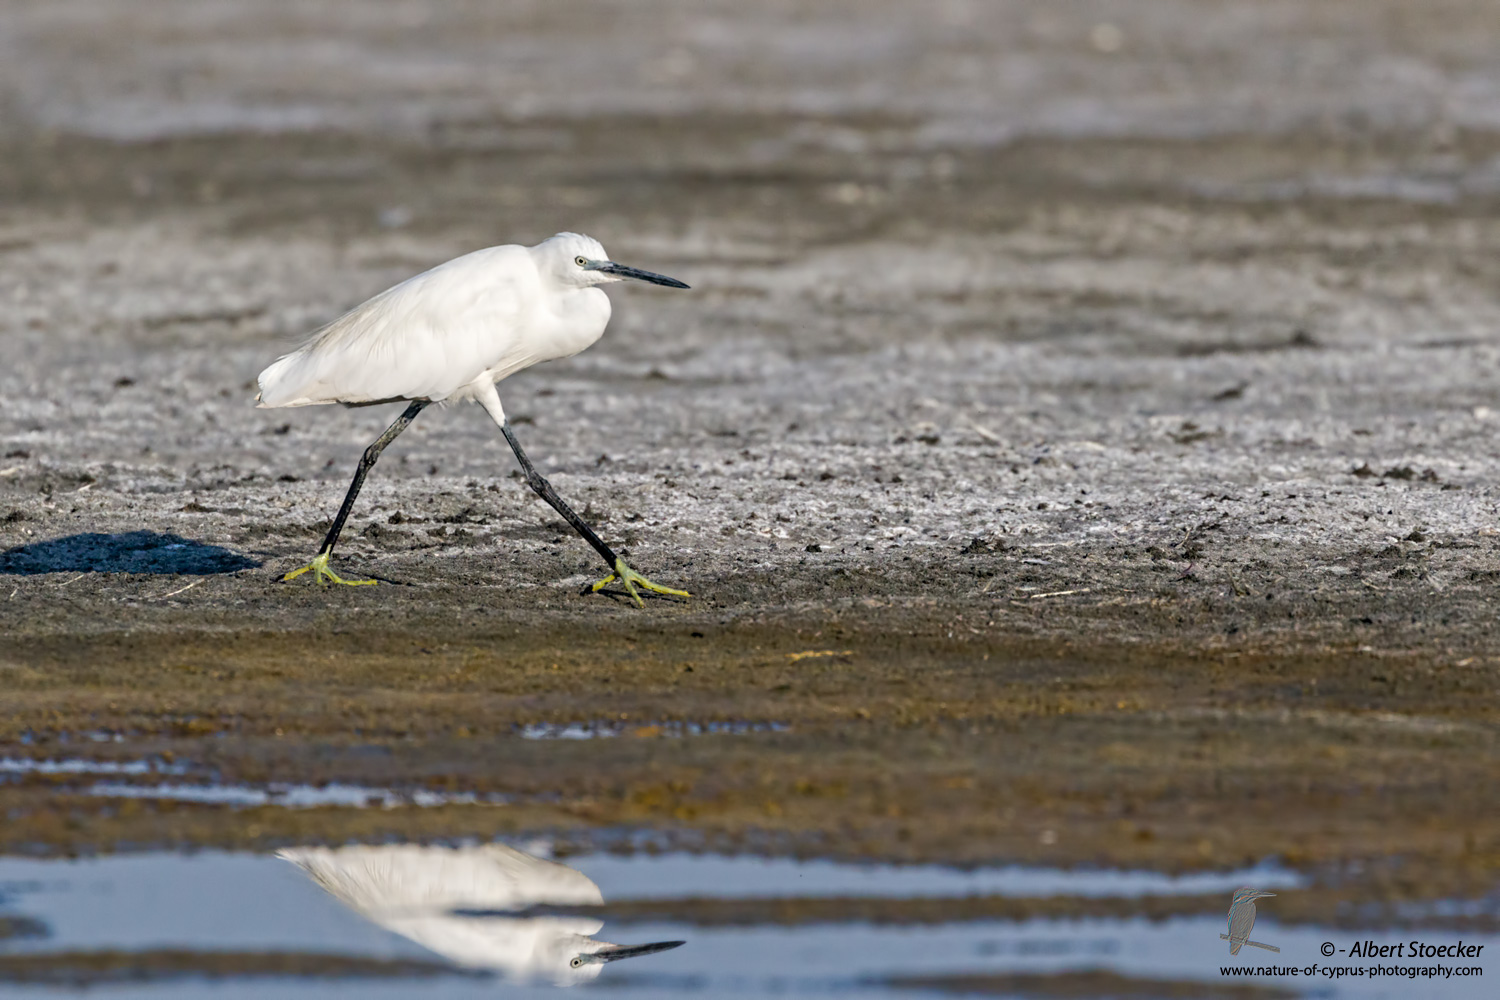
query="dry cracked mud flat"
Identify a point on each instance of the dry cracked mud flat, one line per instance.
(1079, 439)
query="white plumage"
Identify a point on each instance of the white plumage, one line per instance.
(452, 332)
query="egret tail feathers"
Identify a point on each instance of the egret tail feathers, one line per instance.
(278, 383)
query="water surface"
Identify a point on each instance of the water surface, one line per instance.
(480, 919)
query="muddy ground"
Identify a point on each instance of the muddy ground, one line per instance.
(1080, 434)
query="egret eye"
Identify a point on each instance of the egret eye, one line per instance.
(581, 261)
(577, 962)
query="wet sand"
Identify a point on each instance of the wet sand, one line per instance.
(1081, 441)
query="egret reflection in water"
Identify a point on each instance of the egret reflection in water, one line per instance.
(468, 904)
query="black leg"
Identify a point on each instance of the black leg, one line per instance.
(365, 463)
(544, 490)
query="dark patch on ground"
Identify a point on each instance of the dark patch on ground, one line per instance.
(131, 552)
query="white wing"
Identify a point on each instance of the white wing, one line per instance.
(422, 339)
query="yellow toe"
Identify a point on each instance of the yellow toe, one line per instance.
(631, 579)
(319, 566)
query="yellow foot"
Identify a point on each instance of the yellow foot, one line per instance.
(320, 566)
(630, 578)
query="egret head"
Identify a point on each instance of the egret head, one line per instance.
(580, 261)
(597, 953)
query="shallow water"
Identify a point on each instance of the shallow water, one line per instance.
(76, 765)
(602, 729)
(475, 910)
(281, 794)
(290, 796)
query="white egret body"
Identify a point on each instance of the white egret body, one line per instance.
(451, 334)
(467, 904)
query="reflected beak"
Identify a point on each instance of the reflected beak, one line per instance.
(616, 952)
(610, 267)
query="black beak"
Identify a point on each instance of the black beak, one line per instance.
(635, 950)
(638, 274)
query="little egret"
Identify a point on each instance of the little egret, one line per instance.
(451, 334)
(470, 905)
